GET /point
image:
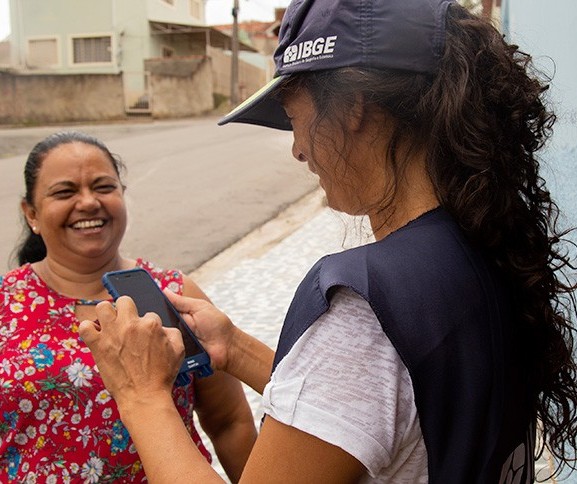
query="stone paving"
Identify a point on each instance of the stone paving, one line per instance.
(254, 281)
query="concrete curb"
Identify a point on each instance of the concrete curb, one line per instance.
(262, 239)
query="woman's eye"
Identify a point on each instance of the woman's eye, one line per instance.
(105, 188)
(63, 193)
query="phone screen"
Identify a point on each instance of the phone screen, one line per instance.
(149, 298)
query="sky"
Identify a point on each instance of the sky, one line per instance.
(217, 12)
(220, 11)
(4, 20)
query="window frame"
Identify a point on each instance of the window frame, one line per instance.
(35, 38)
(91, 35)
(199, 4)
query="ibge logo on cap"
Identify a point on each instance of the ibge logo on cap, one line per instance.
(310, 50)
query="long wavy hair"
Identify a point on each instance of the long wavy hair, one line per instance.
(482, 118)
(32, 247)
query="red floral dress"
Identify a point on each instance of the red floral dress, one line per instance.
(58, 423)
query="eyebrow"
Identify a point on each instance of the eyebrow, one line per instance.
(67, 183)
(63, 183)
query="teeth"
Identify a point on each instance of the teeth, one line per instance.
(88, 224)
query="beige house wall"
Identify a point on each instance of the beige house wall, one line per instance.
(45, 99)
(4, 53)
(180, 87)
(250, 77)
(177, 87)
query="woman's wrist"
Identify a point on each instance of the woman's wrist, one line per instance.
(249, 360)
(234, 351)
(137, 407)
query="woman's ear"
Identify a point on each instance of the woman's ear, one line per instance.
(30, 214)
(355, 115)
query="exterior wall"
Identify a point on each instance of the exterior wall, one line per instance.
(131, 25)
(59, 19)
(127, 21)
(180, 87)
(265, 44)
(178, 12)
(7, 100)
(5, 53)
(549, 34)
(45, 99)
(182, 44)
(124, 20)
(177, 87)
(128, 24)
(251, 78)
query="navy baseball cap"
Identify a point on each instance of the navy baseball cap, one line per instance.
(328, 34)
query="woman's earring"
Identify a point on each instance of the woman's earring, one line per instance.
(35, 229)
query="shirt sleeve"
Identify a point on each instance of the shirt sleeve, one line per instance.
(344, 382)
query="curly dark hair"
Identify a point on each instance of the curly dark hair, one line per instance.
(31, 247)
(485, 133)
(481, 118)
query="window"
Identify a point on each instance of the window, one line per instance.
(90, 50)
(43, 52)
(195, 8)
(167, 52)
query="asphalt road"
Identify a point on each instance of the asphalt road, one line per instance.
(194, 188)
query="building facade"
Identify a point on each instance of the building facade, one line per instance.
(114, 38)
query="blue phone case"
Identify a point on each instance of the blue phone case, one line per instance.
(142, 288)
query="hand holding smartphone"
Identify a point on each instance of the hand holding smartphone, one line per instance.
(147, 296)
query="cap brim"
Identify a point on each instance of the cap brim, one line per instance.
(262, 108)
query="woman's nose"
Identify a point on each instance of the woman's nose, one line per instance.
(88, 200)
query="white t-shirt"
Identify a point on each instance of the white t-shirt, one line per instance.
(344, 382)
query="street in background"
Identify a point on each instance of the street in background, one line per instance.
(194, 188)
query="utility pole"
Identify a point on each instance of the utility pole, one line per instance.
(234, 95)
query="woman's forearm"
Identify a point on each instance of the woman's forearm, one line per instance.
(163, 443)
(250, 360)
(233, 445)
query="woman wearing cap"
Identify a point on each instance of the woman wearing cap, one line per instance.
(432, 354)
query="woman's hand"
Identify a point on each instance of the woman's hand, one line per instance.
(211, 326)
(230, 349)
(137, 357)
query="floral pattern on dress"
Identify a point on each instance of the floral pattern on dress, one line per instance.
(58, 423)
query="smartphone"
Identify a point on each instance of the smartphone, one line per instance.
(148, 297)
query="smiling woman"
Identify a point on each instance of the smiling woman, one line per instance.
(54, 404)
(71, 178)
(78, 207)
